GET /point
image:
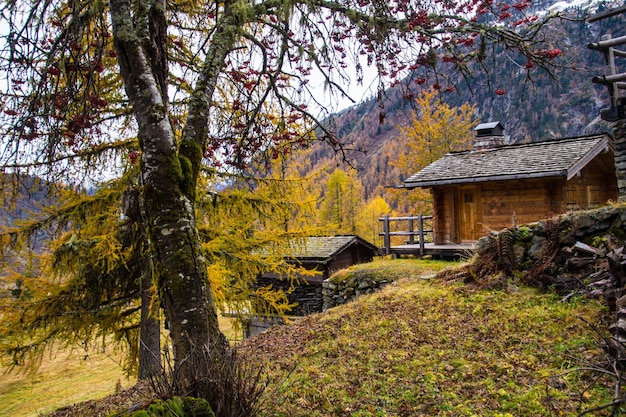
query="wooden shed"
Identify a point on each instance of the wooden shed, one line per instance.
(494, 185)
(324, 255)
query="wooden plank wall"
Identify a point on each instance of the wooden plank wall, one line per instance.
(306, 294)
(522, 201)
(443, 215)
(505, 203)
(594, 187)
(343, 260)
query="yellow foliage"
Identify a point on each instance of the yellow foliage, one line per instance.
(342, 202)
(436, 129)
(248, 231)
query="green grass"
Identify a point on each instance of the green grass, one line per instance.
(425, 348)
(393, 269)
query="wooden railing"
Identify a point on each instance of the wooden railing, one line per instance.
(412, 222)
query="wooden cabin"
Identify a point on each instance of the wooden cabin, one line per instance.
(324, 255)
(494, 185)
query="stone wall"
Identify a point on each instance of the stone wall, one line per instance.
(555, 240)
(569, 253)
(574, 253)
(345, 286)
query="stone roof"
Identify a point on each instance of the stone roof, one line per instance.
(555, 158)
(325, 247)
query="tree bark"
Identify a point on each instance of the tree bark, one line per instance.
(150, 331)
(168, 185)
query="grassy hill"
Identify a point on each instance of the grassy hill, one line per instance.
(426, 347)
(423, 347)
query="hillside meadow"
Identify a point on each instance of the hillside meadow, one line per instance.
(73, 376)
(421, 346)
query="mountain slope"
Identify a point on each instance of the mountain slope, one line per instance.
(535, 106)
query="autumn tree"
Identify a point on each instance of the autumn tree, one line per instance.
(91, 283)
(184, 87)
(341, 203)
(435, 130)
(300, 192)
(369, 224)
(248, 229)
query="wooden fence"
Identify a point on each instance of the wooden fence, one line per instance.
(395, 226)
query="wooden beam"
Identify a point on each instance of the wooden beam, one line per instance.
(609, 79)
(606, 14)
(606, 43)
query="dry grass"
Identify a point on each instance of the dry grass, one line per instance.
(70, 377)
(64, 379)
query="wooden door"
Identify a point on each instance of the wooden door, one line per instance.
(469, 213)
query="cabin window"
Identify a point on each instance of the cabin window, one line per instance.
(468, 197)
(572, 198)
(593, 196)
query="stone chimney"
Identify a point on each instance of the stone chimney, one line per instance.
(489, 135)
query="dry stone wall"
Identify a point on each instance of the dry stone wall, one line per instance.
(581, 252)
(344, 287)
(571, 254)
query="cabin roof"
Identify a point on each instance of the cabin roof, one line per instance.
(322, 248)
(555, 158)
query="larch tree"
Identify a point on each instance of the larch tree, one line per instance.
(92, 280)
(183, 88)
(369, 223)
(435, 130)
(342, 202)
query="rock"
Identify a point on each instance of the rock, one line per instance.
(587, 249)
(363, 285)
(539, 248)
(577, 263)
(328, 284)
(519, 251)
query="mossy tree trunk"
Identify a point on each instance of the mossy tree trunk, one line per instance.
(150, 330)
(169, 173)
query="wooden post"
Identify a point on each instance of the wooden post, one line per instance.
(411, 237)
(420, 226)
(612, 80)
(387, 237)
(619, 129)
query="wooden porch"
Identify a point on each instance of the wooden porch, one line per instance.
(450, 250)
(413, 235)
